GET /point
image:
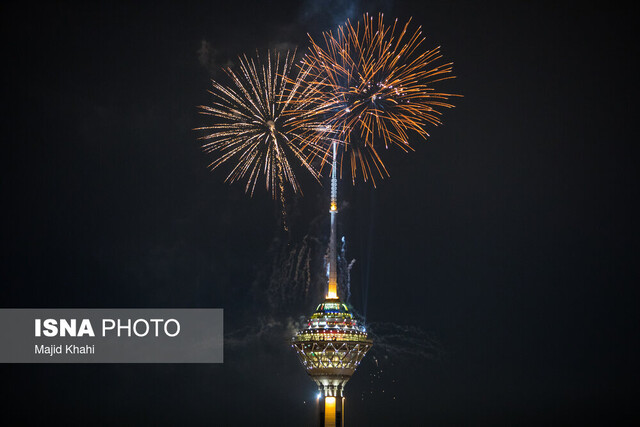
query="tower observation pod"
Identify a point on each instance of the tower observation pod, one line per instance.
(332, 344)
(330, 349)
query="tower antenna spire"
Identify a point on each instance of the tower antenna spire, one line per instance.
(332, 292)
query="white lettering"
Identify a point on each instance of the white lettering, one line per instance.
(127, 327)
(86, 329)
(166, 327)
(50, 328)
(67, 327)
(135, 328)
(106, 328)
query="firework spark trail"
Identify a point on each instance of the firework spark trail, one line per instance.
(263, 327)
(344, 272)
(405, 340)
(290, 277)
(252, 129)
(293, 277)
(367, 85)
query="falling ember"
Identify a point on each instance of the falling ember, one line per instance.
(252, 132)
(371, 84)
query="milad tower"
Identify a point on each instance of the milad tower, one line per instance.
(332, 344)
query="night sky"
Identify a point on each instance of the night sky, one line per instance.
(496, 267)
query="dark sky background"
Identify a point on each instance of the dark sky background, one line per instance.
(497, 266)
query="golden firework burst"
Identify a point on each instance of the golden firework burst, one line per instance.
(366, 86)
(252, 130)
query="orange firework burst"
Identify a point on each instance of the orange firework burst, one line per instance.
(367, 85)
(253, 131)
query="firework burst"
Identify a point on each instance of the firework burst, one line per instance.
(252, 130)
(366, 86)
